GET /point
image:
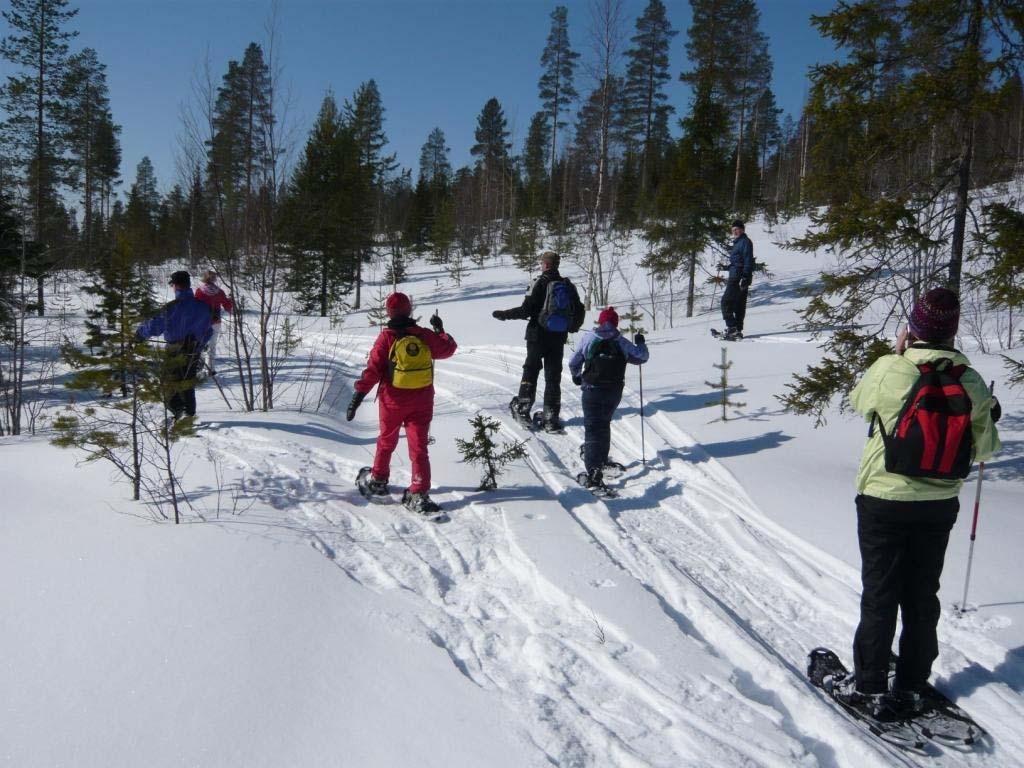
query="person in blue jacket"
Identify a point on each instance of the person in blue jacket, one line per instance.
(741, 272)
(599, 367)
(186, 325)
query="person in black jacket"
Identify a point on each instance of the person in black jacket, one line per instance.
(545, 344)
(741, 272)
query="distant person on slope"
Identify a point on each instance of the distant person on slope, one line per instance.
(185, 324)
(553, 310)
(599, 367)
(214, 297)
(402, 362)
(741, 272)
(931, 417)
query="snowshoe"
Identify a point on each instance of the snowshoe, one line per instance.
(940, 719)
(609, 466)
(727, 335)
(519, 414)
(369, 486)
(551, 425)
(423, 505)
(594, 482)
(876, 714)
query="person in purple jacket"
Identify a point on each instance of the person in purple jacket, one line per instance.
(186, 325)
(599, 367)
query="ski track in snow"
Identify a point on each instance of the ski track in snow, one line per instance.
(748, 598)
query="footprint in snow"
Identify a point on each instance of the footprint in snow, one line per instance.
(602, 583)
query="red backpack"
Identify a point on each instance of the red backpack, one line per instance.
(932, 435)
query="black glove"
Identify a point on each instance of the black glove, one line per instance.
(638, 339)
(357, 398)
(997, 410)
(744, 283)
(498, 314)
(436, 324)
(577, 380)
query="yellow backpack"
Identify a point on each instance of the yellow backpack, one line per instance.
(411, 364)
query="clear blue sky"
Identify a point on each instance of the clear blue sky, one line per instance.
(435, 61)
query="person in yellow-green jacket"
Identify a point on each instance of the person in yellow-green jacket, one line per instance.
(931, 417)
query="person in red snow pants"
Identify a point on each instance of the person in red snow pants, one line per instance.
(397, 408)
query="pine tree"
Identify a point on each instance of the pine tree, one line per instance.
(556, 88)
(730, 54)
(35, 101)
(483, 450)
(645, 100)
(85, 88)
(535, 163)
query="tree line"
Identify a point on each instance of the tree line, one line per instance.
(924, 109)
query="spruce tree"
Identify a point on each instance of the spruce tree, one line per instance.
(483, 450)
(895, 121)
(556, 89)
(142, 212)
(535, 163)
(324, 213)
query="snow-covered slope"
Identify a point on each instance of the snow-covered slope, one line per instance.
(293, 623)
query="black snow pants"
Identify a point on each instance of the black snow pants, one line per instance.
(902, 549)
(179, 379)
(734, 305)
(599, 404)
(543, 350)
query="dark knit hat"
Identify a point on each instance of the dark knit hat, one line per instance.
(609, 316)
(181, 278)
(739, 224)
(398, 305)
(935, 315)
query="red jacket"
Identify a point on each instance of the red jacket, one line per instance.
(441, 345)
(213, 297)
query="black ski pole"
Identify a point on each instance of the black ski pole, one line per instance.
(217, 382)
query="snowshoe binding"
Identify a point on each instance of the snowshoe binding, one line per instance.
(730, 334)
(369, 486)
(520, 414)
(424, 506)
(593, 481)
(612, 468)
(550, 424)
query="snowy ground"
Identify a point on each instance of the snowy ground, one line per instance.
(293, 623)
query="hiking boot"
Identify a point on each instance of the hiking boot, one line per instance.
(420, 503)
(551, 421)
(369, 485)
(520, 409)
(876, 706)
(731, 334)
(907, 703)
(595, 479)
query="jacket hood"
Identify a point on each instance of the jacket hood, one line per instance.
(918, 353)
(209, 289)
